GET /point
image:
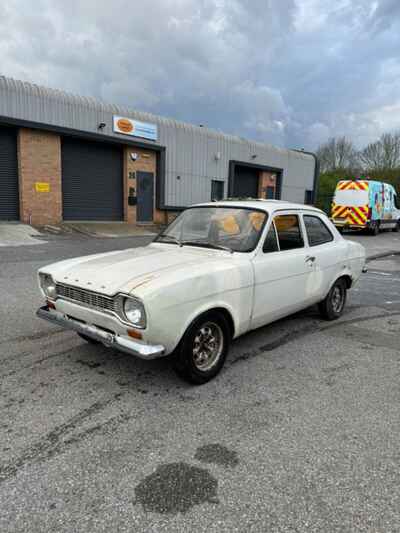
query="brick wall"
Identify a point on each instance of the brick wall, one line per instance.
(146, 161)
(39, 161)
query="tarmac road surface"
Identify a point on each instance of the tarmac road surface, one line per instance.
(300, 431)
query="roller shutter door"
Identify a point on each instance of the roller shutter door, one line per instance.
(246, 182)
(91, 181)
(9, 199)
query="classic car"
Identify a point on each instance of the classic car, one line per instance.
(217, 271)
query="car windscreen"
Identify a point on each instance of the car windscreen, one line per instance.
(232, 228)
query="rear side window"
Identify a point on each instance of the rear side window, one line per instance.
(317, 232)
(289, 232)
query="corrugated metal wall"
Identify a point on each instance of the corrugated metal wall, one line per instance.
(190, 150)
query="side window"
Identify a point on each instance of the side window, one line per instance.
(289, 232)
(317, 231)
(271, 243)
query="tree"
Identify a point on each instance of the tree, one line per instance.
(337, 154)
(383, 153)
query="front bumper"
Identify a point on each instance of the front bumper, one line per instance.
(130, 346)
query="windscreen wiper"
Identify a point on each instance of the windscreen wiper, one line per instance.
(208, 245)
(170, 238)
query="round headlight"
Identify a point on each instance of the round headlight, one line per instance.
(134, 312)
(48, 285)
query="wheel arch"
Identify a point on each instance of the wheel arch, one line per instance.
(347, 279)
(223, 310)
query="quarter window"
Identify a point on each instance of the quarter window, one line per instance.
(317, 231)
(271, 242)
(289, 232)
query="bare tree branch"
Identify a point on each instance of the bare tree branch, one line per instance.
(337, 153)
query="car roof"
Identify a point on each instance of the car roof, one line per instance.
(269, 206)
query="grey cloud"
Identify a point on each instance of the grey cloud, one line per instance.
(290, 72)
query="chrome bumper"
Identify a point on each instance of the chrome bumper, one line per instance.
(130, 346)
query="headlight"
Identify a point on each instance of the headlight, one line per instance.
(134, 312)
(48, 285)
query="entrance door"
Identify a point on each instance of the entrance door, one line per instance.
(145, 196)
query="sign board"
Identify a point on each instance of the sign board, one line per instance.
(42, 186)
(135, 128)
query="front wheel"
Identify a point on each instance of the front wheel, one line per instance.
(202, 351)
(397, 226)
(332, 306)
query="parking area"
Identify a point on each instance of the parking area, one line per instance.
(299, 432)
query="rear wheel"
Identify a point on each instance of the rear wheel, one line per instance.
(374, 228)
(397, 226)
(202, 351)
(332, 306)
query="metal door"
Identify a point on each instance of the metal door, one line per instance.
(92, 183)
(245, 182)
(9, 198)
(145, 196)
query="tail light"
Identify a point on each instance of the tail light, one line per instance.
(369, 213)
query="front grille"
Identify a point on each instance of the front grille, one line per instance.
(86, 298)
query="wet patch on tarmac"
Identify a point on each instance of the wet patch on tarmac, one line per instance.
(217, 454)
(175, 488)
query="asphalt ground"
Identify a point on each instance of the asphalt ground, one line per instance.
(300, 431)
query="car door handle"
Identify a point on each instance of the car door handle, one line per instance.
(310, 259)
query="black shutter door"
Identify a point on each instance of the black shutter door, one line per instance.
(9, 199)
(91, 181)
(245, 182)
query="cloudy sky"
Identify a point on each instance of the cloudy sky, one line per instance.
(289, 72)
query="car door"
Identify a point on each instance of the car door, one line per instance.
(282, 270)
(327, 254)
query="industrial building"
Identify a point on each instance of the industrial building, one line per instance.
(74, 158)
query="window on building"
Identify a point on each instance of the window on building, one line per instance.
(289, 232)
(217, 190)
(271, 242)
(317, 232)
(308, 197)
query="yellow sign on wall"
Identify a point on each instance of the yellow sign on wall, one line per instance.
(42, 186)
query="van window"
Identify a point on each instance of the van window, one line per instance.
(289, 232)
(355, 198)
(317, 231)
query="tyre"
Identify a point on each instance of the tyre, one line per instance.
(374, 228)
(88, 339)
(332, 307)
(202, 351)
(397, 227)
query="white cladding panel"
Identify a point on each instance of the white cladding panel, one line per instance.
(194, 155)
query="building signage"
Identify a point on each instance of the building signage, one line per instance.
(42, 187)
(128, 126)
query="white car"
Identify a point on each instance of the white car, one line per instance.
(219, 270)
